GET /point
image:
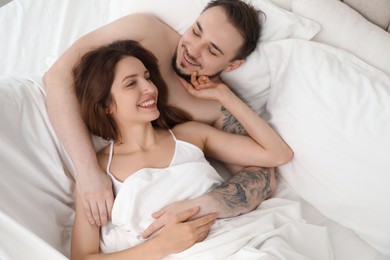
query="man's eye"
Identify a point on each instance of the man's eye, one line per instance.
(212, 52)
(196, 33)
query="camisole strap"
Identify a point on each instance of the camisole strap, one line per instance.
(110, 157)
(174, 137)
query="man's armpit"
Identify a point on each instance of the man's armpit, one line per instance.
(230, 124)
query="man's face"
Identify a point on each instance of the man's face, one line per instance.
(208, 46)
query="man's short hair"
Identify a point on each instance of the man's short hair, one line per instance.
(246, 19)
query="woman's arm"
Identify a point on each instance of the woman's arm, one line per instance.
(262, 147)
(178, 235)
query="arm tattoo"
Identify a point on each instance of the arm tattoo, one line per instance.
(230, 124)
(243, 192)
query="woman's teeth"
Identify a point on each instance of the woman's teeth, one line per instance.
(147, 103)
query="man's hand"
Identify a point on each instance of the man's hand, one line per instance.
(97, 197)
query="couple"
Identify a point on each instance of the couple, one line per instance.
(134, 114)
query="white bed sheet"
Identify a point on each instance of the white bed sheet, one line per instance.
(33, 33)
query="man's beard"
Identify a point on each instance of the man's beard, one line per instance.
(187, 77)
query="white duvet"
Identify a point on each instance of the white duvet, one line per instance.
(275, 230)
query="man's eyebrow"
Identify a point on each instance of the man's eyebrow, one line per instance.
(212, 44)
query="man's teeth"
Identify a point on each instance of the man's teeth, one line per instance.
(189, 60)
(147, 103)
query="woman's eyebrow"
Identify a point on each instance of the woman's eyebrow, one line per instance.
(129, 76)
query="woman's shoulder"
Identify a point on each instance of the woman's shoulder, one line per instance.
(190, 126)
(192, 132)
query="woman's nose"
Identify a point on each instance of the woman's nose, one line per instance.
(147, 86)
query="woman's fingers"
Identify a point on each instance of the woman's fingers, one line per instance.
(202, 226)
(185, 215)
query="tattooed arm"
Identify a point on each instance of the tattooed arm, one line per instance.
(240, 194)
(244, 191)
(249, 186)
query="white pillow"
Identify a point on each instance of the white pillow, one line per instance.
(252, 79)
(333, 110)
(345, 28)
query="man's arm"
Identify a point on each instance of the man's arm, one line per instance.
(93, 185)
(244, 191)
(240, 194)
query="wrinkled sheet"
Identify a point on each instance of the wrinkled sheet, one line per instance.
(276, 230)
(35, 191)
(36, 188)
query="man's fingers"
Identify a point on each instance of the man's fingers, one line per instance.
(95, 214)
(88, 211)
(109, 205)
(102, 212)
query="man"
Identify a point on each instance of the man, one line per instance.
(219, 40)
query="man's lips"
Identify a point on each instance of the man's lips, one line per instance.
(188, 59)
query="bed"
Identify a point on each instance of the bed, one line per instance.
(320, 76)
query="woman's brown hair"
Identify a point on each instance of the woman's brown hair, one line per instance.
(93, 78)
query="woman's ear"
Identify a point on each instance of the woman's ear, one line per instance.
(107, 110)
(233, 65)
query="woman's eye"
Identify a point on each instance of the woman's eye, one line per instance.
(131, 84)
(148, 78)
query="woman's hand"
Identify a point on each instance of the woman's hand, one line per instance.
(204, 88)
(97, 196)
(181, 233)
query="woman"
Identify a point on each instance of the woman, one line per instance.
(154, 146)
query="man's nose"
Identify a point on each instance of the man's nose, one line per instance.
(196, 50)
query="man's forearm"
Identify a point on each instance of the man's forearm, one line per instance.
(63, 110)
(243, 192)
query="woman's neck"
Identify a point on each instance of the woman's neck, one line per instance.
(137, 137)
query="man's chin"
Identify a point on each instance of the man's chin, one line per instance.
(185, 76)
(180, 73)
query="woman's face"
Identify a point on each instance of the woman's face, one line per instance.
(134, 94)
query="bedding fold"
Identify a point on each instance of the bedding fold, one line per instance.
(276, 230)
